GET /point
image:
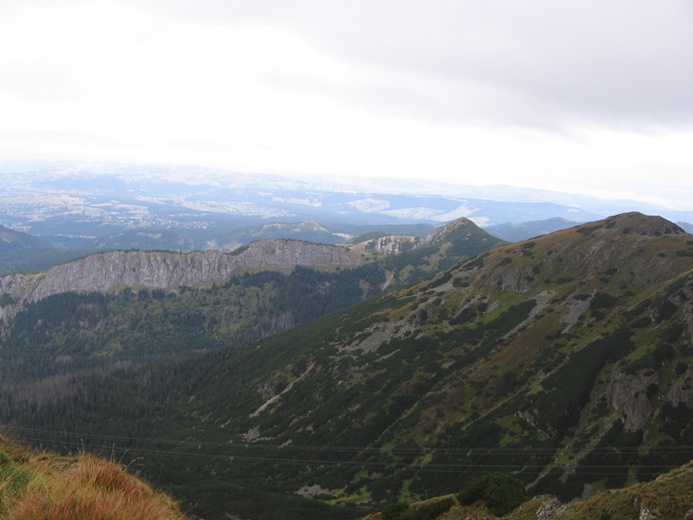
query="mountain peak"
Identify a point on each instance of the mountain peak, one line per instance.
(452, 227)
(631, 247)
(634, 223)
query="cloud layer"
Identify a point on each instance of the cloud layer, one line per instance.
(546, 94)
(544, 63)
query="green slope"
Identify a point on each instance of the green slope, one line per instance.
(512, 365)
(565, 360)
(669, 496)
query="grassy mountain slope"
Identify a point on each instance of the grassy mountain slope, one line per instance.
(52, 487)
(669, 496)
(566, 360)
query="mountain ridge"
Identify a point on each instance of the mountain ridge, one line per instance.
(315, 278)
(566, 360)
(160, 269)
(563, 364)
(110, 270)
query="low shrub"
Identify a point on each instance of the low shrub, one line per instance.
(499, 493)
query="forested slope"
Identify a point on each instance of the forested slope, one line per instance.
(565, 360)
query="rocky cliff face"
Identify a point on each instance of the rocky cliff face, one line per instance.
(117, 269)
(388, 245)
(630, 398)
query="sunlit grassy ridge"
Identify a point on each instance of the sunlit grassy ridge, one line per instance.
(52, 487)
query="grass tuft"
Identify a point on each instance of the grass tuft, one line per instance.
(59, 488)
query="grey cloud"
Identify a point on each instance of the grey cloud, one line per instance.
(521, 63)
(616, 62)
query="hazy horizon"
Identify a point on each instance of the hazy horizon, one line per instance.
(586, 98)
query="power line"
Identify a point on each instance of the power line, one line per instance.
(345, 449)
(237, 452)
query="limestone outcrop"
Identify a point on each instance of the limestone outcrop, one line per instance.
(112, 270)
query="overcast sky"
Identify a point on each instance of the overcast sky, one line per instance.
(585, 96)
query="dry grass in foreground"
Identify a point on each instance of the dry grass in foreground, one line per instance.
(65, 488)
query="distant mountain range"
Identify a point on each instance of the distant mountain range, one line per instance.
(97, 206)
(11, 240)
(516, 232)
(68, 210)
